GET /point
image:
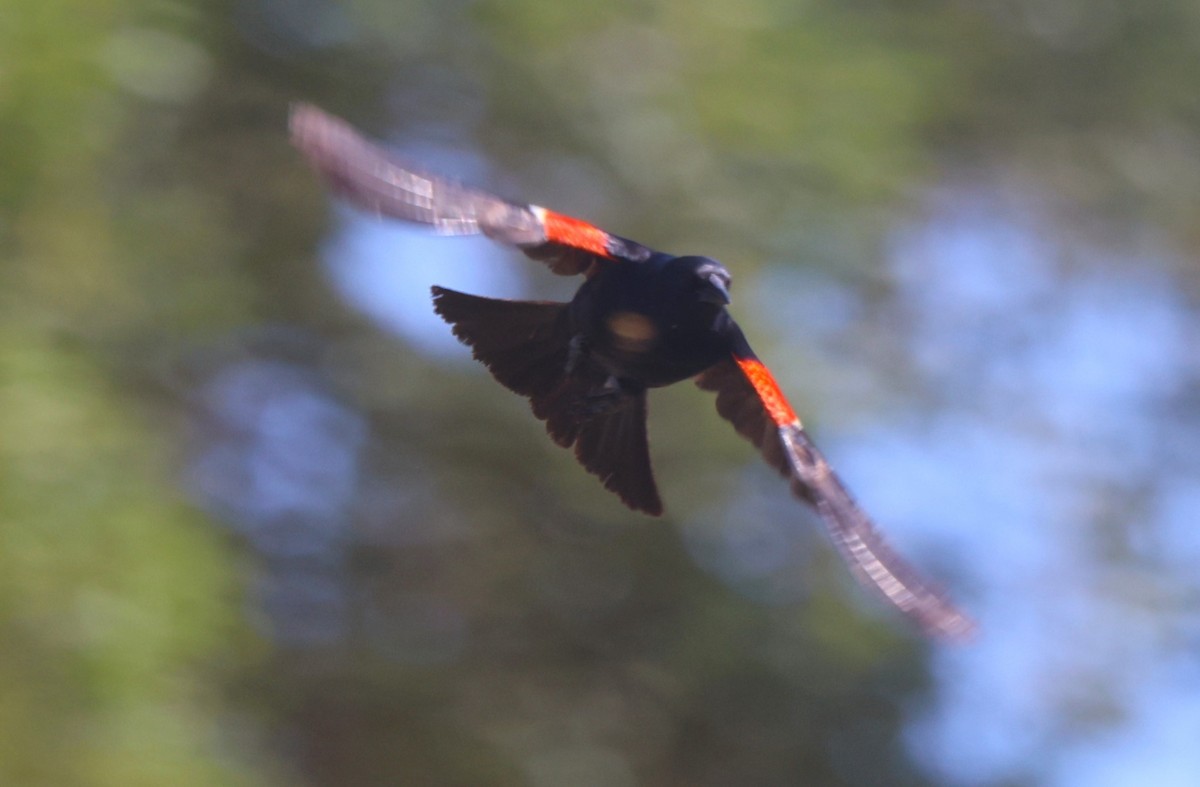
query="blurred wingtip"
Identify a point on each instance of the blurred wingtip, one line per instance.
(304, 119)
(955, 628)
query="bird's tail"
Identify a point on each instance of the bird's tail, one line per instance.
(523, 343)
(526, 347)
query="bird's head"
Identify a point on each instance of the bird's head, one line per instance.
(709, 280)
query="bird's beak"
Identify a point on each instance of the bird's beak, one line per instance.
(716, 291)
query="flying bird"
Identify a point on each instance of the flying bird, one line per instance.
(641, 319)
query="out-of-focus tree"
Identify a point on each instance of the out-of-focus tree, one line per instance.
(118, 611)
(435, 594)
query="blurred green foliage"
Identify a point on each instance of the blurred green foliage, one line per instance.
(152, 216)
(118, 604)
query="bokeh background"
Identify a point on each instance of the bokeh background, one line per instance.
(262, 522)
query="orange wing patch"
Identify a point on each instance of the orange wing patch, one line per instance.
(574, 233)
(773, 400)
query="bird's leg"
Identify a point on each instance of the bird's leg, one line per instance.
(609, 397)
(577, 350)
(604, 399)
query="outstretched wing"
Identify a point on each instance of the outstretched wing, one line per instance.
(373, 179)
(748, 396)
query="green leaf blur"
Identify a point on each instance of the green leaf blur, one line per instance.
(155, 227)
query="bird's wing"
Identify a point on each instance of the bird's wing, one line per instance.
(525, 345)
(370, 177)
(749, 397)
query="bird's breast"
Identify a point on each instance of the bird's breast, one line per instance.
(633, 345)
(631, 332)
(636, 325)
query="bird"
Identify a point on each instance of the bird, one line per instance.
(641, 319)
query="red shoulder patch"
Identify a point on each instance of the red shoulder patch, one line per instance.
(769, 393)
(575, 233)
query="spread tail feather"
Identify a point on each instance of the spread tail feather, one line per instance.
(614, 447)
(522, 343)
(525, 345)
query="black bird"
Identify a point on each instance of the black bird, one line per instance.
(642, 319)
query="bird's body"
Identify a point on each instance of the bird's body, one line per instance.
(642, 319)
(645, 323)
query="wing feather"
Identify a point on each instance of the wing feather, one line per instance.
(749, 398)
(371, 178)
